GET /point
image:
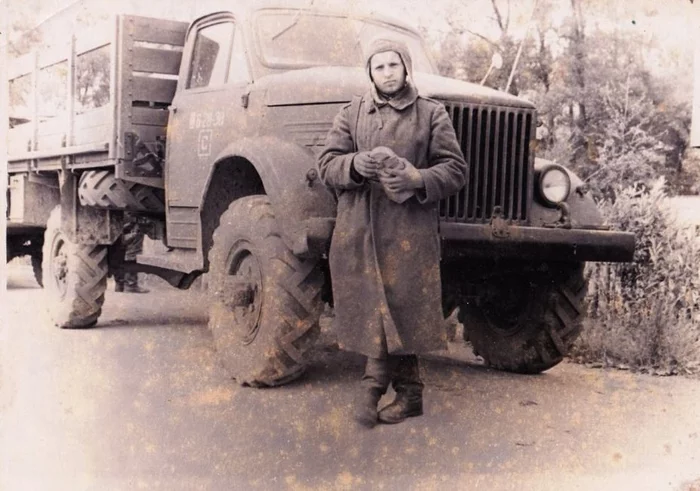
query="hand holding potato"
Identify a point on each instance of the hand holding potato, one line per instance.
(399, 179)
(365, 165)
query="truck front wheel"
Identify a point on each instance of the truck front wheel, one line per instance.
(266, 302)
(526, 322)
(75, 277)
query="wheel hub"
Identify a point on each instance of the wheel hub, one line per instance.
(505, 307)
(59, 266)
(240, 294)
(243, 295)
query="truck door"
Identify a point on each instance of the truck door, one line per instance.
(206, 115)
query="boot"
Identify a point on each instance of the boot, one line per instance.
(408, 403)
(119, 280)
(131, 283)
(374, 384)
(135, 289)
(366, 407)
(409, 391)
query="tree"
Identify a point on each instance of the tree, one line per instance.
(23, 34)
(605, 109)
(575, 78)
(92, 79)
(629, 144)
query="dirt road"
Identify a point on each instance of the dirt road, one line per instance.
(142, 402)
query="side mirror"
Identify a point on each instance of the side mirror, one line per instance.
(496, 62)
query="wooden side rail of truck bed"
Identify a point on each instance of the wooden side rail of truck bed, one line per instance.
(89, 101)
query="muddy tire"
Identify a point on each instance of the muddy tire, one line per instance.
(100, 189)
(75, 277)
(37, 268)
(266, 302)
(526, 323)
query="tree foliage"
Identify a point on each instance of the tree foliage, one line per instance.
(602, 109)
(92, 73)
(645, 314)
(92, 79)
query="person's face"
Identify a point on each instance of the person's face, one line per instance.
(388, 72)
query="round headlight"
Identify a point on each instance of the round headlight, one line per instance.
(554, 185)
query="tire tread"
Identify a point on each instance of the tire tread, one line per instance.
(560, 315)
(101, 189)
(87, 280)
(299, 293)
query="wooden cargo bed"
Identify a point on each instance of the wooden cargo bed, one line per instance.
(90, 101)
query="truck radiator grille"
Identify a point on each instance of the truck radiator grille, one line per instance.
(495, 142)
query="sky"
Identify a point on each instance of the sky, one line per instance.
(669, 18)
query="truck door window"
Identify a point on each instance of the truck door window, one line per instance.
(239, 72)
(210, 58)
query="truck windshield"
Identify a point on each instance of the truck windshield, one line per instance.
(298, 39)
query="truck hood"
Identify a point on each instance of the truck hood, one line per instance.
(323, 85)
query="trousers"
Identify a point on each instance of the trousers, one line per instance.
(132, 245)
(401, 371)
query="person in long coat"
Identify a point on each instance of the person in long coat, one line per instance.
(131, 244)
(384, 254)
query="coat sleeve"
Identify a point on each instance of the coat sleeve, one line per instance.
(447, 173)
(335, 161)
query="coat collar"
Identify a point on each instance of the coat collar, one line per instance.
(401, 101)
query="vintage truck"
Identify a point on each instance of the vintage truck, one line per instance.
(208, 134)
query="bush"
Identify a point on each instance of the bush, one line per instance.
(646, 314)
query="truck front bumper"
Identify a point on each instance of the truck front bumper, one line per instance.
(461, 240)
(561, 244)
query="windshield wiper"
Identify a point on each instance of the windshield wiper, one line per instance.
(294, 22)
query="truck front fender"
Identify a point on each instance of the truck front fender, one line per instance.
(304, 207)
(583, 211)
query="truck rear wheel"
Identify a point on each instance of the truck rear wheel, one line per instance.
(267, 302)
(526, 323)
(75, 277)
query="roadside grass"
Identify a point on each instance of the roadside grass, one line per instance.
(645, 315)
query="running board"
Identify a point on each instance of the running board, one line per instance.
(178, 279)
(185, 260)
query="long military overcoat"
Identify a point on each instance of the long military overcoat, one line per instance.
(384, 256)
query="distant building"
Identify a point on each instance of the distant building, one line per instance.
(687, 210)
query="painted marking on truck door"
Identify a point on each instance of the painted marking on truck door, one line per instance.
(204, 143)
(207, 119)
